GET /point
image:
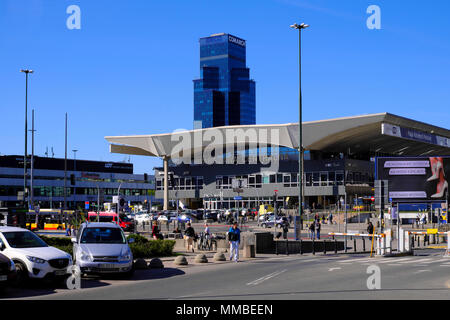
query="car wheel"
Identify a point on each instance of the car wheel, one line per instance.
(22, 273)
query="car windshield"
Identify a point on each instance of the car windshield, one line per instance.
(24, 239)
(102, 235)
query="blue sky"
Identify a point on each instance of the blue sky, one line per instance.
(129, 70)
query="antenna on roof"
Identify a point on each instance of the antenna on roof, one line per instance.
(46, 152)
(53, 154)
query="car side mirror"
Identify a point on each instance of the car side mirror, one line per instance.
(74, 240)
(131, 240)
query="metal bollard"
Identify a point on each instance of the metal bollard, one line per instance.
(324, 247)
(354, 244)
(313, 247)
(335, 246)
(364, 244)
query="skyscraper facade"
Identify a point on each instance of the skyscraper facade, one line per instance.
(224, 94)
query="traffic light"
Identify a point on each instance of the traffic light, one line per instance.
(72, 179)
(145, 177)
(121, 202)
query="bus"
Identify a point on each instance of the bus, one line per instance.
(48, 219)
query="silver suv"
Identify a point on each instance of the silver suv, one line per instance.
(102, 247)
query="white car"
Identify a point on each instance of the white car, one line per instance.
(162, 218)
(32, 256)
(143, 218)
(102, 247)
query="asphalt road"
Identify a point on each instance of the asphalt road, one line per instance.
(282, 277)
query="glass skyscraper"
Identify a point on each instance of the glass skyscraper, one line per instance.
(225, 94)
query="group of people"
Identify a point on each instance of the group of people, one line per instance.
(234, 239)
(314, 228)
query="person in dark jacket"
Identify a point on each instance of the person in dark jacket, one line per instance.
(312, 229)
(189, 235)
(317, 225)
(234, 238)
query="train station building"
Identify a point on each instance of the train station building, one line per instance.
(199, 166)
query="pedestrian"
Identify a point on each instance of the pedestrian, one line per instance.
(330, 218)
(234, 238)
(218, 217)
(285, 229)
(189, 236)
(318, 225)
(312, 229)
(370, 229)
(155, 230)
(207, 233)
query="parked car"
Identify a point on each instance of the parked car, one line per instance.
(122, 220)
(266, 216)
(143, 218)
(210, 215)
(32, 257)
(269, 223)
(101, 247)
(184, 218)
(7, 271)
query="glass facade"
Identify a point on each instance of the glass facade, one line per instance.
(225, 94)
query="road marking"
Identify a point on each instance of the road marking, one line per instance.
(262, 279)
(332, 269)
(421, 271)
(416, 261)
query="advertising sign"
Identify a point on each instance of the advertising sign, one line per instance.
(415, 178)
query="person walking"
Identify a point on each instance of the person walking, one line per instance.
(189, 235)
(312, 229)
(155, 230)
(317, 225)
(234, 238)
(370, 229)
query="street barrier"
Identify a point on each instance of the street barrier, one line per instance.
(409, 240)
(381, 240)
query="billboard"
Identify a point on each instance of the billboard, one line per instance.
(415, 179)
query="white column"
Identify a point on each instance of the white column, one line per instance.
(166, 183)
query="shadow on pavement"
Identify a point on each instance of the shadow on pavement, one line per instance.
(149, 274)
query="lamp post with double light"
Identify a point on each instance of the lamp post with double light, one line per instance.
(300, 146)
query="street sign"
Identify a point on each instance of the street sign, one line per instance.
(86, 205)
(238, 198)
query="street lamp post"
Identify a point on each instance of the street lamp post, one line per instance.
(75, 180)
(26, 71)
(300, 146)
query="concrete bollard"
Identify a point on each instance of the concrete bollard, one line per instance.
(219, 256)
(140, 264)
(156, 263)
(200, 258)
(181, 261)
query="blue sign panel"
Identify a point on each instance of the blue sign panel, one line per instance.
(237, 198)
